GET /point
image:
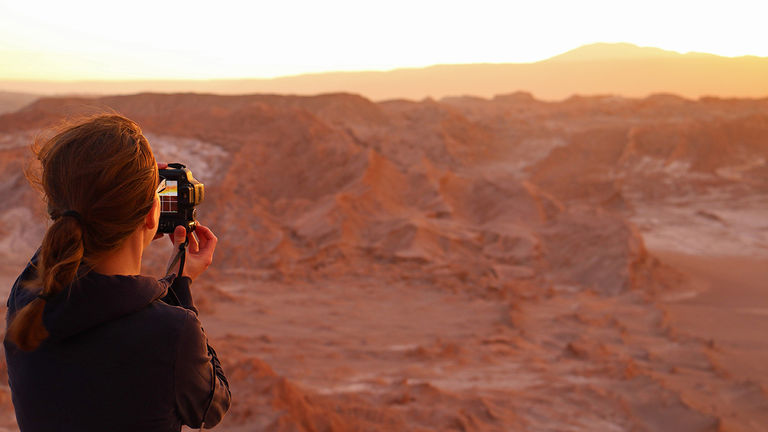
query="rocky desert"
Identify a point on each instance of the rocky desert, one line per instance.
(464, 264)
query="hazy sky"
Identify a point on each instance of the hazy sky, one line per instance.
(140, 39)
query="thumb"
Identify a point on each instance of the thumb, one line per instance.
(179, 235)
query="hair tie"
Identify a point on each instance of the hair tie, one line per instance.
(73, 214)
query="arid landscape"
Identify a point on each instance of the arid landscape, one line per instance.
(470, 264)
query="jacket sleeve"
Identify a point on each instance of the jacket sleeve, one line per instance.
(202, 390)
(179, 293)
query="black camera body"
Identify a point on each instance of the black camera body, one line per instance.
(177, 202)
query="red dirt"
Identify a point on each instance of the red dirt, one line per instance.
(463, 264)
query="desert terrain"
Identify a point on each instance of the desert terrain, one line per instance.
(470, 264)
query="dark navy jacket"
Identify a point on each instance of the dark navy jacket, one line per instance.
(125, 353)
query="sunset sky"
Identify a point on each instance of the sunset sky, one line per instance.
(141, 39)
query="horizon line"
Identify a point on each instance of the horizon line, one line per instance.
(363, 71)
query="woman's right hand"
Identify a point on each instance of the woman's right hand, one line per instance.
(199, 253)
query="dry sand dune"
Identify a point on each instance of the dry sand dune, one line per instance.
(464, 264)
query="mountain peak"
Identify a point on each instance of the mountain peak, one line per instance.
(613, 51)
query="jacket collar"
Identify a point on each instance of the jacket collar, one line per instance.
(91, 300)
(95, 299)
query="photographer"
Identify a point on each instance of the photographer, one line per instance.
(91, 345)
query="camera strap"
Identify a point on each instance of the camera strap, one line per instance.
(180, 258)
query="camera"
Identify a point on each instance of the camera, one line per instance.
(177, 202)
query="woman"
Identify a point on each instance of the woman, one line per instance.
(91, 345)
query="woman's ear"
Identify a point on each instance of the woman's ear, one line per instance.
(152, 220)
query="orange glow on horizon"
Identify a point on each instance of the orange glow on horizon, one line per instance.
(90, 40)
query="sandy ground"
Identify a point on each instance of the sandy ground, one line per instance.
(727, 306)
(365, 339)
(353, 336)
(397, 354)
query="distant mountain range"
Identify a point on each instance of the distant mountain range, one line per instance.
(607, 69)
(11, 101)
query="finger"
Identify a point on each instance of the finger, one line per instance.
(194, 245)
(162, 165)
(207, 239)
(204, 232)
(179, 234)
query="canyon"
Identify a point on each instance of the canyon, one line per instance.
(468, 263)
